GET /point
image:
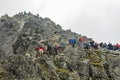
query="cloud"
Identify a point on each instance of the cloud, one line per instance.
(98, 19)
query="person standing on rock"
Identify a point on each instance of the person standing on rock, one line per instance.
(110, 46)
(72, 41)
(61, 47)
(96, 45)
(117, 46)
(56, 48)
(86, 45)
(81, 41)
(92, 43)
(49, 49)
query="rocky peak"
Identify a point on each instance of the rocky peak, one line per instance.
(21, 34)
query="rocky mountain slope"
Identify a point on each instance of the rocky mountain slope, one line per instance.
(21, 34)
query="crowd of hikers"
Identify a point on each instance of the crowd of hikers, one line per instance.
(92, 44)
(52, 50)
(82, 44)
(110, 46)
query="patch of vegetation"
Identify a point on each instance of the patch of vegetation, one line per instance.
(48, 74)
(95, 58)
(96, 64)
(63, 74)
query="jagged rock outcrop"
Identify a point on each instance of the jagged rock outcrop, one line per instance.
(9, 30)
(21, 34)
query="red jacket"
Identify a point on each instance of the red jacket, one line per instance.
(81, 39)
(117, 45)
(39, 48)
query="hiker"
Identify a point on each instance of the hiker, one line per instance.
(86, 45)
(96, 45)
(72, 41)
(81, 40)
(110, 46)
(61, 47)
(40, 50)
(25, 13)
(104, 45)
(92, 43)
(117, 46)
(101, 44)
(56, 48)
(49, 49)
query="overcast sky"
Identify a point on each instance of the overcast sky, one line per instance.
(98, 19)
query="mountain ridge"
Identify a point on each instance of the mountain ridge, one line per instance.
(21, 34)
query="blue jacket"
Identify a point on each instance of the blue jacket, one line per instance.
(72, 41)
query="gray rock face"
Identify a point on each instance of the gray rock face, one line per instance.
(21, 34)
(9, 29)
(34, 31)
